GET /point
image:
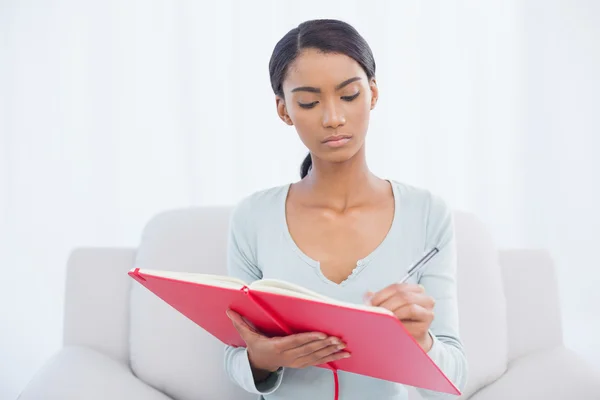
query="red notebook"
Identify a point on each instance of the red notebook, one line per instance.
(379, 345)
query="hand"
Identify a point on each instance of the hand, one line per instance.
(296, 351)
(411, 306)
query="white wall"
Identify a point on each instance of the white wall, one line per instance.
(560, 163)
(113, 111)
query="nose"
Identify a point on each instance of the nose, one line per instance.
(333, 116)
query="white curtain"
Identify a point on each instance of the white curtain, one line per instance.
(112, 111)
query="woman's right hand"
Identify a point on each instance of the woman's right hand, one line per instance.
(295, 351)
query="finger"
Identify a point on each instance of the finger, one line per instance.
(406, 298)
(245, 330)
(298, 340)
(399, 300)
(332, 357)
(391, 290)
(317, 357)
(413, 312)
(315, 346)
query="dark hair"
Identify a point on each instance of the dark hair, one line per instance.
(328, 36)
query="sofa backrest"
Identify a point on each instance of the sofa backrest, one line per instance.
(482, 305)
(174, 355)
(168, 351)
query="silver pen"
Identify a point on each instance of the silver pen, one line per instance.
(419, 264)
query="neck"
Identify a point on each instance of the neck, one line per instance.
(341, 184)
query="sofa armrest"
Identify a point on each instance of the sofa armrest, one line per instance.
(97, 300)
(532, 301)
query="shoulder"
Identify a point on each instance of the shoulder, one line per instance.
(430, 209)
(432, 204)
(258, 206)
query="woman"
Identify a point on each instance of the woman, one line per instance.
(340, 230)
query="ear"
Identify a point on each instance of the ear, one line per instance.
(374, 92)
(282, 110)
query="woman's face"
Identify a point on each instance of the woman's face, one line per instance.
(328, 98)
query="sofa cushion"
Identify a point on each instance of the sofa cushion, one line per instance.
(172, 354)
(168, 351)
(77, 373)
(556, 373)
(481, 301)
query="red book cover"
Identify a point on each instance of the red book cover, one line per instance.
(379, 345)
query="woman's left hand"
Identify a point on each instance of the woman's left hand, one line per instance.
(411, 305)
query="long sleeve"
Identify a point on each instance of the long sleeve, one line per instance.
(439, 280)
(241, 263)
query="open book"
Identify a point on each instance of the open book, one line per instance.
(379, 344)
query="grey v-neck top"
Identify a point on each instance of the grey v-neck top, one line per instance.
(260, 246)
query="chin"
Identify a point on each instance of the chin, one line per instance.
(340, 155)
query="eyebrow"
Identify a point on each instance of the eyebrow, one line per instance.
(317, 90)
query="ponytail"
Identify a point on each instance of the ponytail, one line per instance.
(306, 166)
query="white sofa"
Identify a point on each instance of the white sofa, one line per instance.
(122, 343)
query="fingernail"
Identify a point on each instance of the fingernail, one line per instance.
(367, 298)
(228, 315)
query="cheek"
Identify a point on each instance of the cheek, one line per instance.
(358, 116)
(305, 121)
(307, 126)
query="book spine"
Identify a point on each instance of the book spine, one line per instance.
(279, 322)
(276, 319)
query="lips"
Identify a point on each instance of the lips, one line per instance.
(336, 138)
(337, 141)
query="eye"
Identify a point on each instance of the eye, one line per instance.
(350, 98)
(308, 105)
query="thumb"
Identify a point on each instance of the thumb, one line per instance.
(245, 330)
(367, 297)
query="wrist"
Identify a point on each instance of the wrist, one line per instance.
(260, 367)
(426, 342)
